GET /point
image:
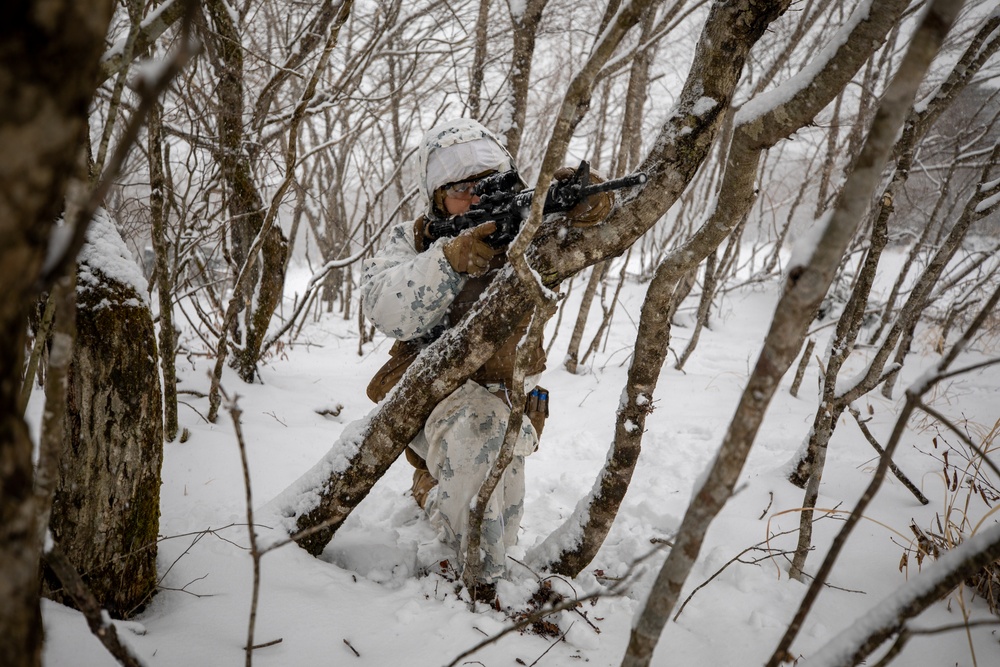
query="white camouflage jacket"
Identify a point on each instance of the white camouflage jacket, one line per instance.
(405, 293)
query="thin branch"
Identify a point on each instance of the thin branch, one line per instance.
(900, 475)
(84, 599)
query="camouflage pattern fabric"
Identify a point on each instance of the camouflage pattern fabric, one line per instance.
(460, 443)
(406, 294)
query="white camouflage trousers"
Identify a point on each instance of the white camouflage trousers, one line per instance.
(460, 443)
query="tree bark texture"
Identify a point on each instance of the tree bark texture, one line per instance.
(333, 490)
(106, 510)
(48, 64)
(592, 518)
(164, 276)
(525, 29)
(261, 296)
(804, 290)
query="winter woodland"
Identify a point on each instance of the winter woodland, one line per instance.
(774, 366)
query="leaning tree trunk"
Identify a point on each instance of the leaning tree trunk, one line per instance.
(805, 287)
(773, 117)
(106, 510)
(323, 498)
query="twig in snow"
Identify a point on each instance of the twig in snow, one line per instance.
(767, 509)
(235, 412)
(561, 639)
(900, 475)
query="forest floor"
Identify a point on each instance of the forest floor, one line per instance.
(378, 596)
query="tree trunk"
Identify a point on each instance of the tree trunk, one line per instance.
(106, 511)
(48, 64)
(525, 31)
(164, 274)
(804, 290)
(573, 351)
(592, 518)
(708, 286)
(263, 290)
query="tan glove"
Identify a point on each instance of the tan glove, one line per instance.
(591, 210)
(536, 408)
(468, 253)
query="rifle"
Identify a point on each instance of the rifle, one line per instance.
(502, 203)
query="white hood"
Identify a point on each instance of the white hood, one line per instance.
(456, 150)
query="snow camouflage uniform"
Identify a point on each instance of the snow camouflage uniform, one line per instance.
(412, 293)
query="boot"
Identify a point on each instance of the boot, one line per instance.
(423, 482)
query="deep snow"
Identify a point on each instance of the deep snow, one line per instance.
(378, 592)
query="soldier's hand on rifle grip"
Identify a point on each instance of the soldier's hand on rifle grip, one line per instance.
(536, 408)
(468, 252)
(593, 209)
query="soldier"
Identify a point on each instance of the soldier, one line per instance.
(417, 286)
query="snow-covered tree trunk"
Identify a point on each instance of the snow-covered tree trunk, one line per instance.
(106, 510)
(761, 124)
(805, 288)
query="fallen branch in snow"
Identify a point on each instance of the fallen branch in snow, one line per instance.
(900, 475)
(353, 650)
(867, 633)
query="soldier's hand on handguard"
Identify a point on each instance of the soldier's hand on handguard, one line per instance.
(468, 253)
(591, 210)
(536, 408)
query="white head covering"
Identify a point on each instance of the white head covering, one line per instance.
(456, 150)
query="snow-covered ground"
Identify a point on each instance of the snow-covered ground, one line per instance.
(377, 596)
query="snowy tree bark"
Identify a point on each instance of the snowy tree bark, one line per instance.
(48, 64)
(805, 288)
(756, 129)
(106, 510)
